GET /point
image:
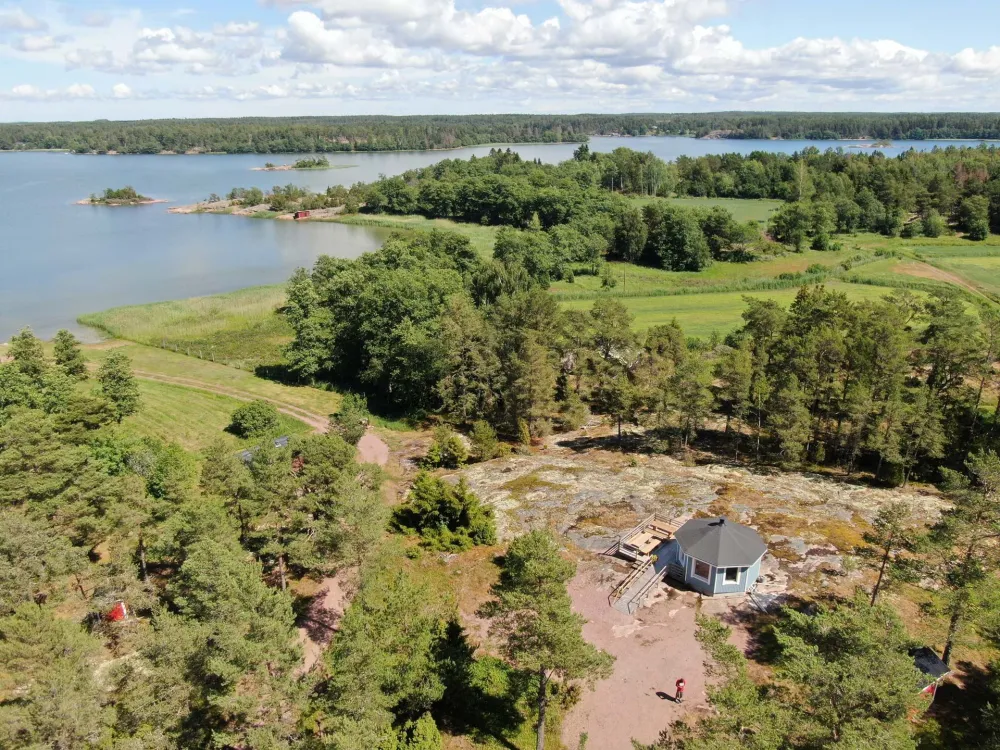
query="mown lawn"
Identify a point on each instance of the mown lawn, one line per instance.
(482, 237)
(162, 362)
(701, 314)
(239, 328)
(193, 418)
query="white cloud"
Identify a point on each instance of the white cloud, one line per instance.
(590, 55)
(250, 28)
(29, 92)
(309, 40)
(16, 19)
(35, 43)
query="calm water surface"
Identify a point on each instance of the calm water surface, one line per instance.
(59, 260)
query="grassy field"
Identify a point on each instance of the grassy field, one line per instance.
(639, 280)
(742, 210)
(982, 271)
(481, 237)
(239, 328)
(701, 314)
(193, 418)
(147, 359)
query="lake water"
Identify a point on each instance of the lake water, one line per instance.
(59, 260)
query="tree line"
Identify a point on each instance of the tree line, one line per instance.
(894, 386)
(385, 133)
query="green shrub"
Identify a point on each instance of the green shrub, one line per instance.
(817, 268)
(351, 420)
(485, 445)
(448, 517)
(421, 734)
(254, 419)
(447, 451)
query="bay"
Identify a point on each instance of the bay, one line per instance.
(59, 260)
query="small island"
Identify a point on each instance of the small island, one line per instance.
(319, 162)
(126, 196)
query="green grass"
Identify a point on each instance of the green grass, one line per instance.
(701, 314)
(741, 209)
(165, 362)
(239, 328)
(193, 418)
(482, 237)
(641, 280)
(983, 271)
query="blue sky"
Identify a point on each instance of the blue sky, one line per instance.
(152, 58)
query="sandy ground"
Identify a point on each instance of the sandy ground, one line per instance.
(320, 622)
(652, 650)
(373, 450)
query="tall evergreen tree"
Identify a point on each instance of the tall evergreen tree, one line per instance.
(118, 385)
(68, 355)
(534, 622)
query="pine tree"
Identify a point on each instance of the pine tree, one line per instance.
(28, 355)
(118, 385)
(886, 547)
(533, 618)
(735, 373)
(789, 420)
(381, 666)
(49, 697)
(965, 552)
(32, 556)
(68, 355)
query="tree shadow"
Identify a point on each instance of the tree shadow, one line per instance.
(958, 708)
(319, 622)
(481, 695)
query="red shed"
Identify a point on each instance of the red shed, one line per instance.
(302, 214)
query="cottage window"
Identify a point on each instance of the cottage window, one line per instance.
(732, 575)
(702, 569)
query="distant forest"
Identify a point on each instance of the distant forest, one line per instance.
(383, 133)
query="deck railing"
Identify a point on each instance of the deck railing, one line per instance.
(616, 548)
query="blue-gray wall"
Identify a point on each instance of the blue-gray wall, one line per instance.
(717, 579)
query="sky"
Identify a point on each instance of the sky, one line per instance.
(122, 59)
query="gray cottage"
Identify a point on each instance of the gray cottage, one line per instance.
(714, 556)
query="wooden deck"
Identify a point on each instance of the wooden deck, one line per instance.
(640, 541)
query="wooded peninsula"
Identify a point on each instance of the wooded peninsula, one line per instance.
(383, 133)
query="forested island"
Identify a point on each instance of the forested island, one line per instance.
(320, 162)
(126, 196)
(385, 133)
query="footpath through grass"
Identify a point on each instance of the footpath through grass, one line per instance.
(193, 418)
(146, 359)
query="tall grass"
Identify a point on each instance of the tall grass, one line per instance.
(242, 329)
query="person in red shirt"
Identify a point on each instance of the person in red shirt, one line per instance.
(679, 698)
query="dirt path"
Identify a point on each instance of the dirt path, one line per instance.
(652, 650)
(373, 450)
(318, 422)
(320, 621)
(926, 271)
